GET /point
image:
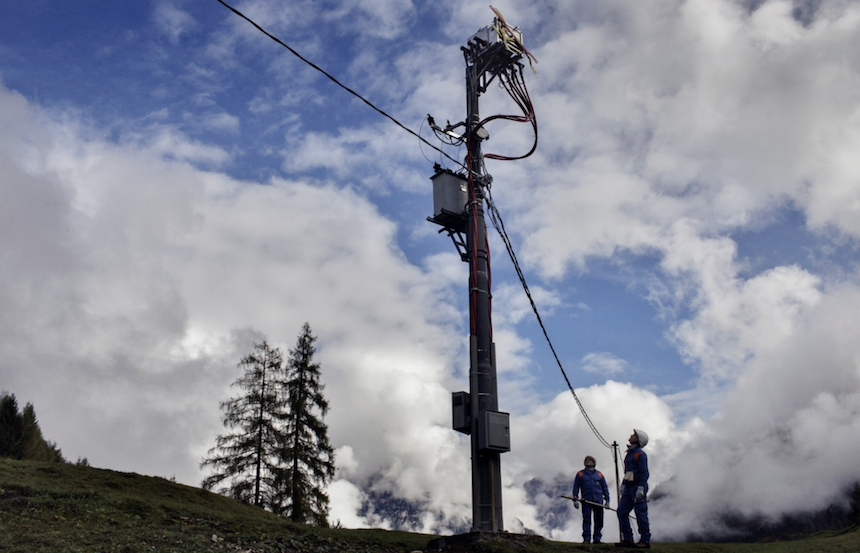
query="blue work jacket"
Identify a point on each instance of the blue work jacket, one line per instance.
(592, 484)
(636, 461)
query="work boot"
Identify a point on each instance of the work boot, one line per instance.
(625, 543)
(586, 540)
(643, 545)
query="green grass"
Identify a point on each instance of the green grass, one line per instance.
(70, 508)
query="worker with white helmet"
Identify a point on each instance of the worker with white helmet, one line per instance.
(634, 493)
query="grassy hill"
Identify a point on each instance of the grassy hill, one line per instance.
(68, 508)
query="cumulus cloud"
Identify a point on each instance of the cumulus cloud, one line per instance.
(138, 249)
(795, 408)
(690, 126)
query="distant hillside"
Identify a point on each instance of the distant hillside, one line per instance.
(55, 507)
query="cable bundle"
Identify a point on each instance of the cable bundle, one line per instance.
(511, 79)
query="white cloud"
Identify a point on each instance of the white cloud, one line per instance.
(691, 125)
(734, 318)
(172, 21)
(605, 363)
(168, 141)
(221, 122)
(345, 500)
(381, 18)
(794, 408)
(378, 157)
(158, 275)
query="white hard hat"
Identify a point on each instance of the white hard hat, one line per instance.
(643, 437)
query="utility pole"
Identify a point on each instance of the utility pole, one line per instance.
(483, 388)
(459, 209)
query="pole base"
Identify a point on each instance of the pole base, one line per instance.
(463, 542)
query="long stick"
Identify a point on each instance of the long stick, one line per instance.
(592, 503)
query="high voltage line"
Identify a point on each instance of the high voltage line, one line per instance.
(499, 225)
(334, 80)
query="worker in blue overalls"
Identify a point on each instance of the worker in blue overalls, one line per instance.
(592, 485)
(634, 493)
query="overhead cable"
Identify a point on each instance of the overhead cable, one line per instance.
(511, 79)
(335, 81)
(499, 225)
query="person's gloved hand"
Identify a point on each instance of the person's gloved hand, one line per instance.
(576, 504)
(606, 504)
(640, 493)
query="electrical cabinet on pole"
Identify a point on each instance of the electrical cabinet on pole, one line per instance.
(459, 209)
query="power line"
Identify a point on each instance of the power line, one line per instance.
(499, 225)
(335, 81)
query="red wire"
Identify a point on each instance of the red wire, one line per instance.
(516, 89)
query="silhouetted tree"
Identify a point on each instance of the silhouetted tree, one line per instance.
(11, 428)
(20, 435)
(307, 449)
(249, 460)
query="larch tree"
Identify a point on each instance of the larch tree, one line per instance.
(307, 451)
(247, 463)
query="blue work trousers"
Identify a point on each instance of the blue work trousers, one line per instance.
(586, 522)
(628, 503)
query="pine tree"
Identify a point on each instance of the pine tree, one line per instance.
(250, 459)
(34, 447)
(11, 428)
(307, 451)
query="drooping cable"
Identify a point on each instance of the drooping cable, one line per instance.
(511, 79)
(498, 223)
(335, 81)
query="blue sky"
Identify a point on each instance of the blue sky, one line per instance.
(175, 185)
